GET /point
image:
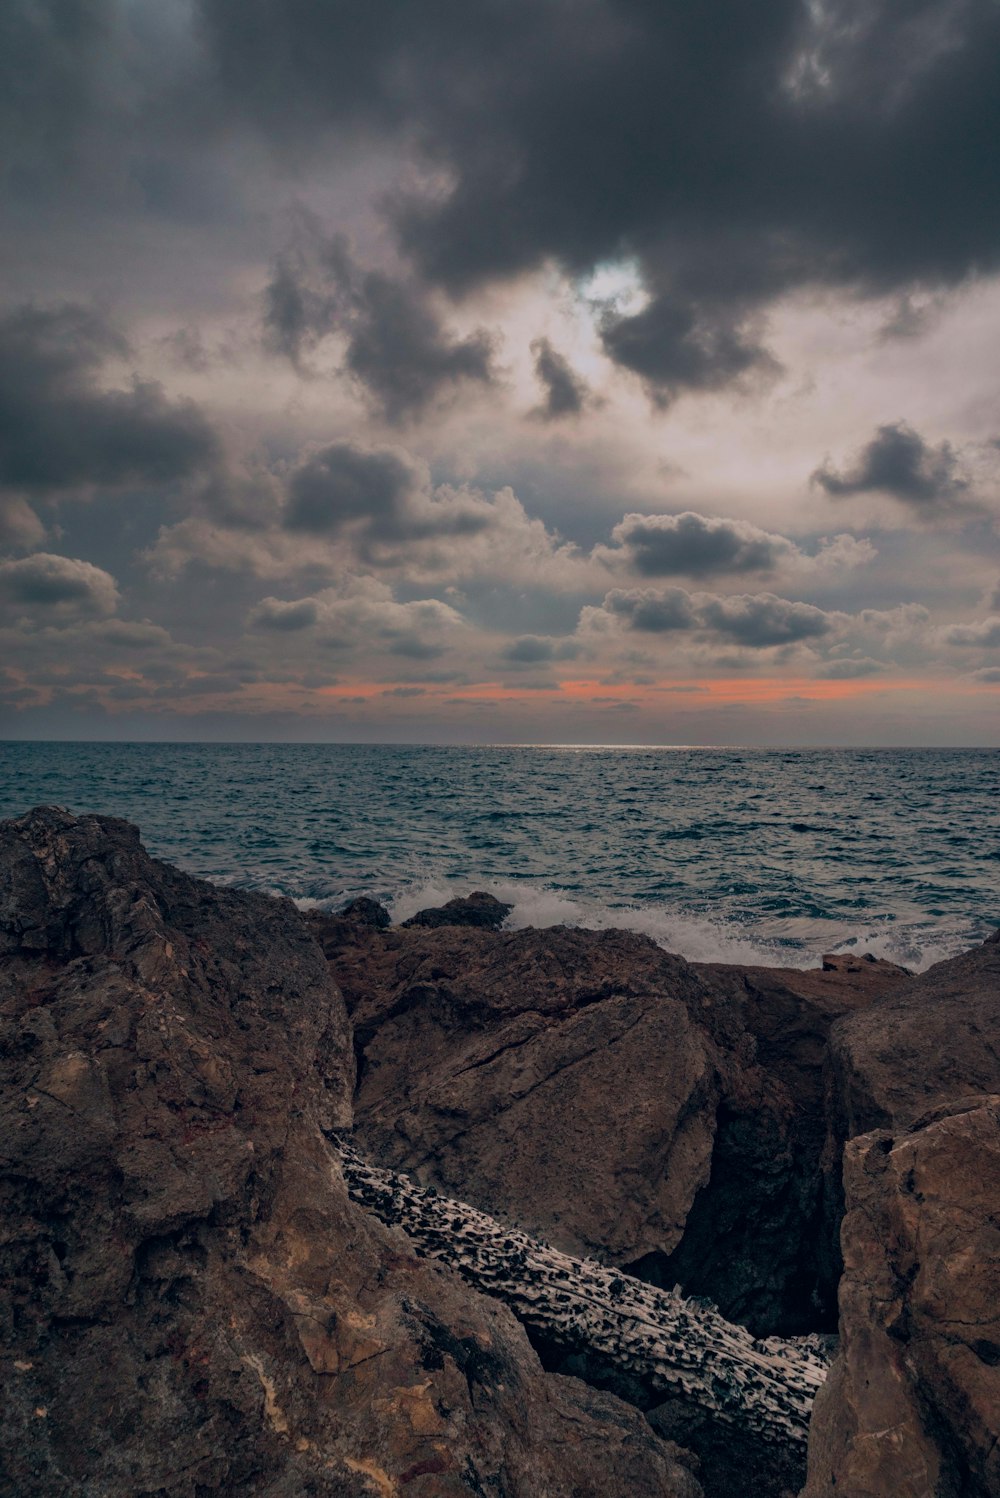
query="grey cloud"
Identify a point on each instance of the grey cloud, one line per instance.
(850, 670)
(987, 675)
(899, 462)
(19, 525)
(736, 152)
(762, 619)
(565, 392)
(344, 483)
(675, 347)
(757, 620)
(397, 347)
(56, 590)
(60, 430)
(285, 618)
(985, 634)
(695, 545)
(412, 647)
(531, 650)
(655, 612)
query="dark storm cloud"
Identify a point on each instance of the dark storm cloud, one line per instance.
(735, 150)
(565, 391)
(381, 500)
(761, 619)
(344, 483)
(285, 618)
(899, 462)
(757, 620)
(695, 545)
(56, 590)
(397, 348)
(673, 347)
(59, 429)
(654, 612)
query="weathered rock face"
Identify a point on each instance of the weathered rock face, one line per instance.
(479, 909)
(191, 1303)
(765, 1229)
(912, 1408)
(613, 1099)
(936, 1039)
(556, 1076)
(913, 1402)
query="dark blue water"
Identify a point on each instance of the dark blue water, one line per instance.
(733, 854)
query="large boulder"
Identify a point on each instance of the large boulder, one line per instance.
(912, 1407)
(613, 1099)
(936, 1038)
(191, 1303)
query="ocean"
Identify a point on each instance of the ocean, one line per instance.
(742, 855)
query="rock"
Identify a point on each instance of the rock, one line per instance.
(615, 1100)
(191, 1304)
(934, 1040)
(762, 1236)
(479, 909)
(367, 912)
(555, 1076)
(912, 1406)
(912, 1409)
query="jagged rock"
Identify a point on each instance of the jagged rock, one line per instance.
(479, 909)
(912, 1408)
(933, 1040)
(913, 1403)
(367, 912)
(743, 1403)
(191, 1304)
(556, 1076)
(762, 1235)
(614, 1099)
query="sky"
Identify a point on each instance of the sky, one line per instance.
(472, 371)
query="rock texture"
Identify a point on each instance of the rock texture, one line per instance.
(752, 1398)
(479, 909)
(913, 1403)
(613, 1099)
(191, 1303)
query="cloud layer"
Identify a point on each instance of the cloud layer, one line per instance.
(474, 370)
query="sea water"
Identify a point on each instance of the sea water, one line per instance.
(742, 855)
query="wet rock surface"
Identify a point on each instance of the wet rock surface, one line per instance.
(191, 1302)
(480, 910)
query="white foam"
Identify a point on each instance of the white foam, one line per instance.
(698, 938)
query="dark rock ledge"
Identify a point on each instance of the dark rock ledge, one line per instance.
(193, 1304)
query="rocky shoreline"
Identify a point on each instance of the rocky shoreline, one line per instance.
(196, 1301)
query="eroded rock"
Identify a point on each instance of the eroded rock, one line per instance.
(191, 1302)
(912, 1407)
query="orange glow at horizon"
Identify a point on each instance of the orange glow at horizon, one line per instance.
(757, 690)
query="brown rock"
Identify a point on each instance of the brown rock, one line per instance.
(615, 1100)
(479, 909)
(553, 1075)
(191, 1304)
(912, 1408)
(934, 1040)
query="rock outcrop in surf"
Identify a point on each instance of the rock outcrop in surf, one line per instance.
(195, 1301)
